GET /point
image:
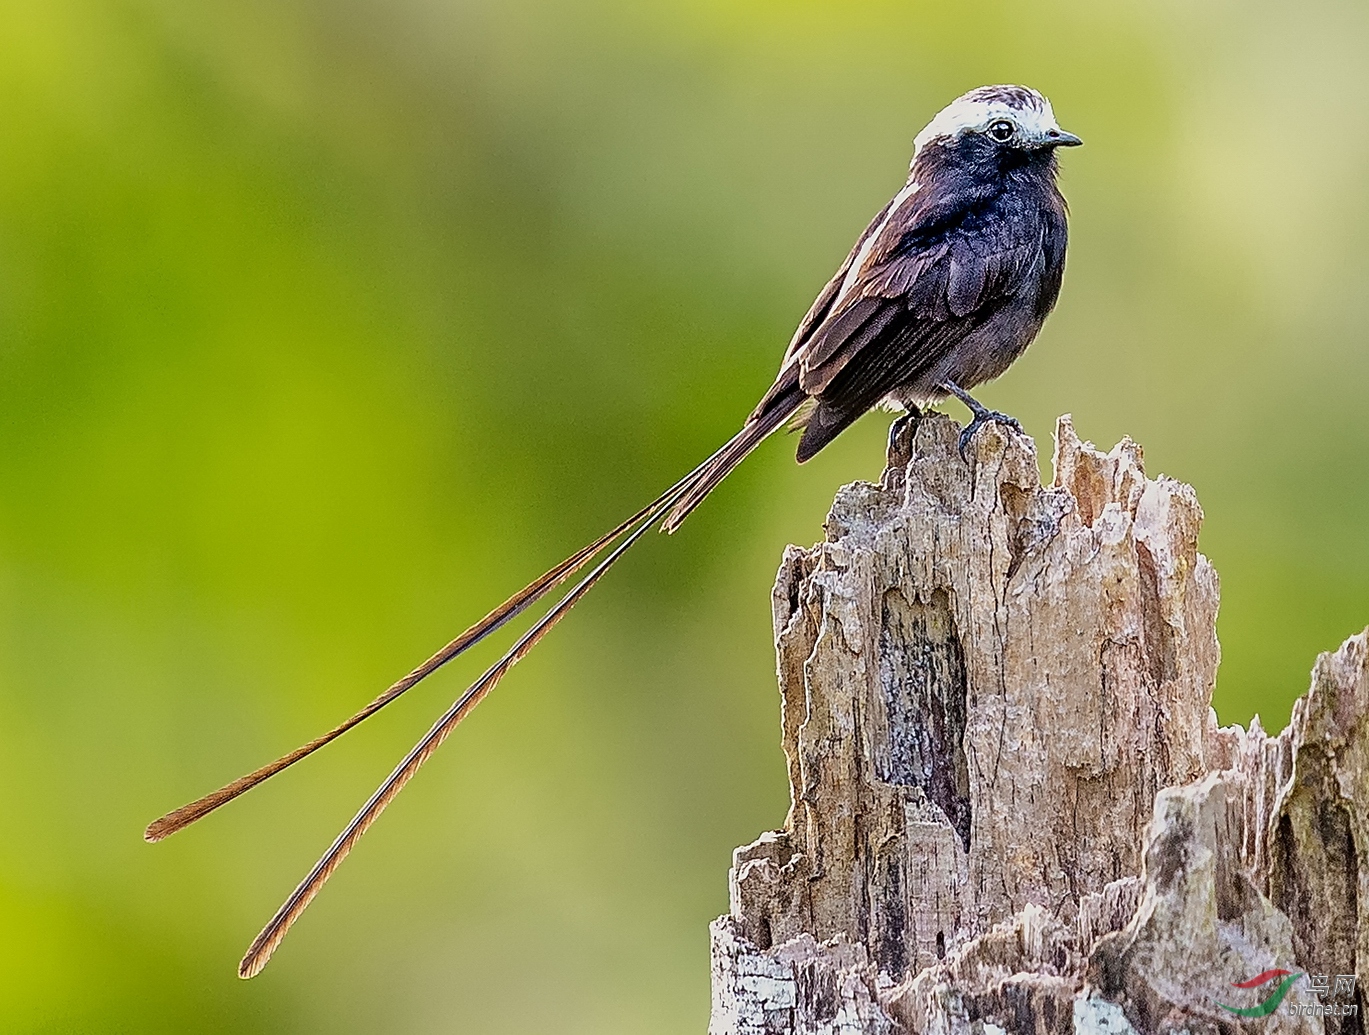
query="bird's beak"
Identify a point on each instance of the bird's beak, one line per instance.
(1059, 138)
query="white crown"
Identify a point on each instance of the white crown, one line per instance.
(1022, 105)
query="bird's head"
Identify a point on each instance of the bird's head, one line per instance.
(1005, 122)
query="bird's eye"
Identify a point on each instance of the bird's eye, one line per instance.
(1002, 130)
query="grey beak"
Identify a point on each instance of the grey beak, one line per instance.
(1059, 138)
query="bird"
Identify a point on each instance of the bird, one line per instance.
(945, 288)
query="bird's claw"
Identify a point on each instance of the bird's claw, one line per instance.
(981, 418)
(982, 415)
(905, 427)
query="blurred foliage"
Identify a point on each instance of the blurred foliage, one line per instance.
(323, 326)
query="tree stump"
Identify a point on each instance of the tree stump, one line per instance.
(1012, 809)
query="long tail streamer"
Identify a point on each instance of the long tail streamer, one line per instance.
(683, 496)
(495, 620)
(265, 944)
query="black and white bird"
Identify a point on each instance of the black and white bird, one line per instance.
(947, 286)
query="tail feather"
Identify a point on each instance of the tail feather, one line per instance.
(492, 622)
(530, 594)
(259, 952)
(739, 447)
(676, 503)
(824, 423)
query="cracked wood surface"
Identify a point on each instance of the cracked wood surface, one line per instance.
(1011, 806)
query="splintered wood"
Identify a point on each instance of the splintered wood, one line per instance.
(1012, 808)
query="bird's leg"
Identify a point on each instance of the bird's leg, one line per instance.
(906, 422)
(982, 416)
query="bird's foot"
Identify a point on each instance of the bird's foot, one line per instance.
(981, 418)
(900, 452)
(905, 427)
(982, 415)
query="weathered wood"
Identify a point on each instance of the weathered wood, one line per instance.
(1012, 808)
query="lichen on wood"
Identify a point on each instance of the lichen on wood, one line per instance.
(1011, 806)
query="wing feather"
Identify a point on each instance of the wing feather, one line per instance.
(848, 332)
(966, 280)
(924, 278)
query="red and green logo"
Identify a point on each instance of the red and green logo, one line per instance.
(1279, 982)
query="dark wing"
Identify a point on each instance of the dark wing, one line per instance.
(930, 276)
(927, 267)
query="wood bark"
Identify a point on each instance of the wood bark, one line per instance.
(1012, 809)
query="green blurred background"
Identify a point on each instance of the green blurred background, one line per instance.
(324, 325)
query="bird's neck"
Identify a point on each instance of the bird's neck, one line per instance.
(980, 170)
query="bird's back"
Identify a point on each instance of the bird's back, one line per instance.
(956, 282)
